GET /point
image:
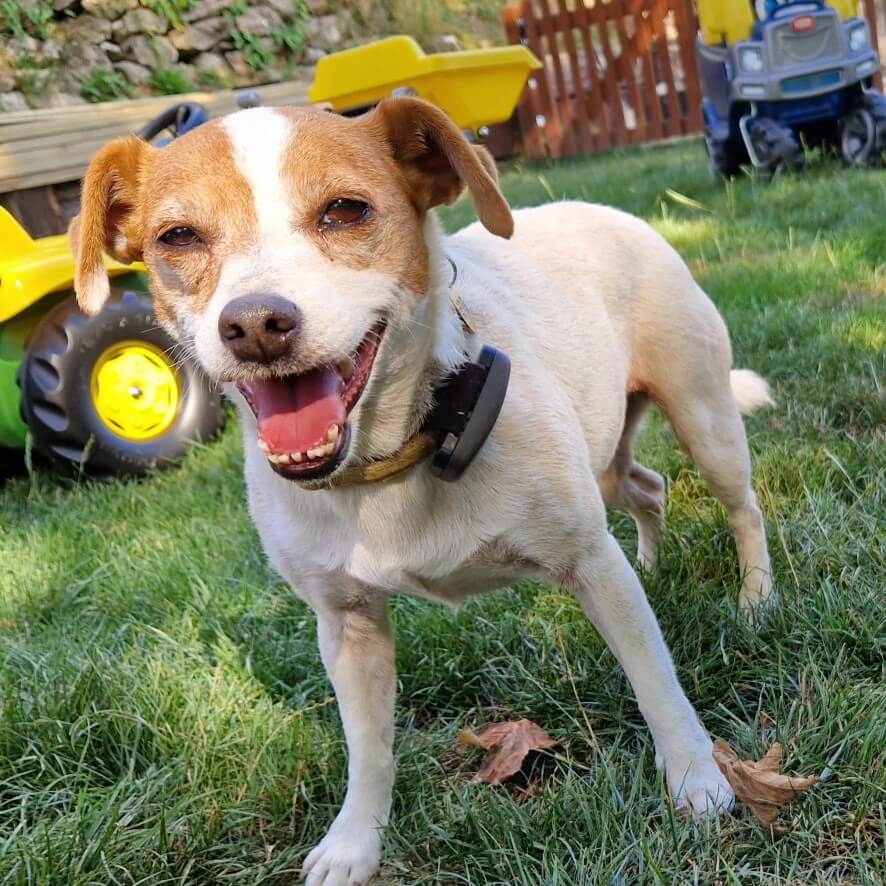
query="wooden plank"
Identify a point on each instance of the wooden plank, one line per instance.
(687, 29)
(639, 131)
(39, 159)
(674, 121)
(553, 128)
(600, 14)
(56, 144)
(642, 46)
(38, 179)
(563, 102)
(28, 124)
(532, 137)
(580, 97)
(599, 112)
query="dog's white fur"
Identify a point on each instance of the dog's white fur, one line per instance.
(591, 305)
(569, 297)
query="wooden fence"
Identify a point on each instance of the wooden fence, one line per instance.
(616, 72)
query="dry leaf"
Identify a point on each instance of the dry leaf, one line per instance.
(507, 745)
(759, 784)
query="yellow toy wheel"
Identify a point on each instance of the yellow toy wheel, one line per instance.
(104, 394)
(135, 390)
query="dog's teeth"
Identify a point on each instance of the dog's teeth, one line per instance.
(263, 446)
(332, 433)
(296, 457)
(274, 459)
(346, 368)
(321, 451)
(284, 459)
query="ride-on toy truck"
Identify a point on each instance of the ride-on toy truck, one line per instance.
(108, 393)
(775, 72)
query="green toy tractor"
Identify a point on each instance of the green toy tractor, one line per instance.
(109, 394)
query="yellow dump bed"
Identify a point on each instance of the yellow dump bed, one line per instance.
(476, 88)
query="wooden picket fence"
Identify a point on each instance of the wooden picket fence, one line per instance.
(616, 72)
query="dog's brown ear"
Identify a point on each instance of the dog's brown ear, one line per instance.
(439, 162)
(110, 218)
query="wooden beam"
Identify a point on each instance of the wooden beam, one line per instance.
(54, 145)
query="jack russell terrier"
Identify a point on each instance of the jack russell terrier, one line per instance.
(295, 254)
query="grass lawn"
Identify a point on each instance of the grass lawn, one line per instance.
(164, 716)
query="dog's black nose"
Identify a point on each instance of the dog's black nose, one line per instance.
(259, 329)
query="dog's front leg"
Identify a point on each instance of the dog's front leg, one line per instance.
(357, 647)
(610, 593)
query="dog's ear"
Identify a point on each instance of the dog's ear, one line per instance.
(439, 162)
(110, 218)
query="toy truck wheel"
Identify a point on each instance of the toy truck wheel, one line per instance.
(875, 102)
(776, 147)
(724, 158)
(863, 132)
(858, 138)
(104, 392)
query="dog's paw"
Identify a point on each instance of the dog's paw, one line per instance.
(698, 786)
(346, 856)
(757, 598)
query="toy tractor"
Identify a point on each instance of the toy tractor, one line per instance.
(778, 74)
(107, 393)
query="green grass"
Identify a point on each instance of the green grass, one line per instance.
(165, 717)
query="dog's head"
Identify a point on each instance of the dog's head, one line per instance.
(286, 248)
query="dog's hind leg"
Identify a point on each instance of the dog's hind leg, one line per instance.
(610, 594)
(629, 486)
(700, 401)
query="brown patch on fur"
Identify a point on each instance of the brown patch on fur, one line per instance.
(132, 193)
(195, 183)
(402, 159)
(111, 215)
(437, 161)
(332, 157)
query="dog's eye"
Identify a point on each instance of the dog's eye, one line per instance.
(344, 212)
(180, 236)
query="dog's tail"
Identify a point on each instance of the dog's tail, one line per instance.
(750, 390)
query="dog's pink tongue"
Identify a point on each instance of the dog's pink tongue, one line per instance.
(294, 414)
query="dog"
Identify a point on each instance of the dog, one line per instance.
(296, 255)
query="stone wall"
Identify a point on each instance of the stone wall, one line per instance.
(61, 52)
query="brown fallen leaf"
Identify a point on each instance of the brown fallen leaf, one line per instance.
(759, 784)
(507, 745)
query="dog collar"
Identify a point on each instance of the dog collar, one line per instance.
(467, 403)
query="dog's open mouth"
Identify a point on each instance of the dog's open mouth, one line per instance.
(303, 419)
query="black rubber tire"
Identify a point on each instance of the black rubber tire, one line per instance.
(872, 107)
(876, 103)
(55, 379)
(858, 137)
(777, 147)
(724, 158)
